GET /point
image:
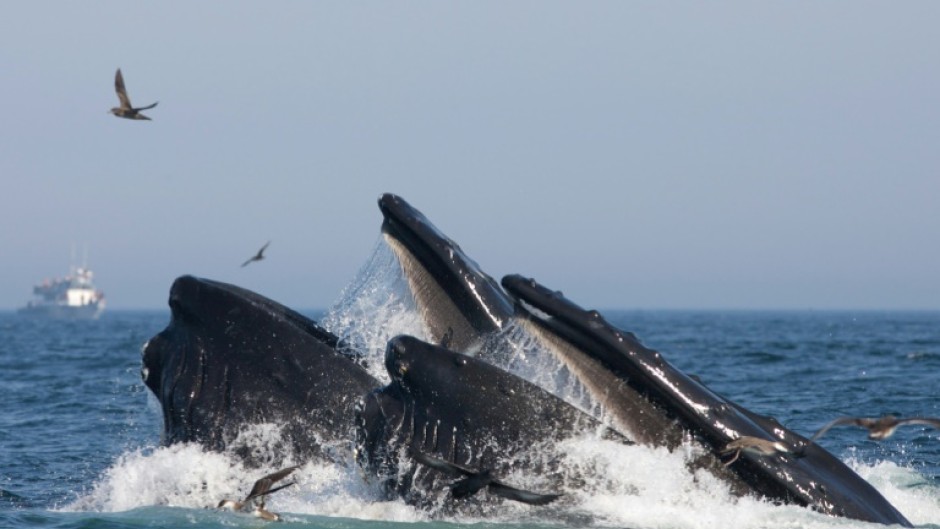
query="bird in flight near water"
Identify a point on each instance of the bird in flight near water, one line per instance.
(258, 256)
(878, 429)
(254, 502)
(126, 110)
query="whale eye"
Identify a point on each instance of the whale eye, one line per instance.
(460, 361)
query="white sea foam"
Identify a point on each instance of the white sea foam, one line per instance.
(908, 490)
(181, 475)
(186, 475)
(618, 486)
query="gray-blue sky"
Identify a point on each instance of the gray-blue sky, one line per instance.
(631, 154)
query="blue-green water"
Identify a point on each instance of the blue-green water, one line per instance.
(79, 434)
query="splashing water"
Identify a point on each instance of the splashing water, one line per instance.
(623, 486)
(374, 308)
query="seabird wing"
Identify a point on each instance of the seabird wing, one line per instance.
(836, 422)
(474, 481)
(148, 107)
(263, 485)
(929, 421)
(524, 496)
(451, 469)
(121, 91)
(281, 474)
(252, 495)
(470, 485)
(258, 256)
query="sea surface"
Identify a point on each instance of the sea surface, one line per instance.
(80, 434)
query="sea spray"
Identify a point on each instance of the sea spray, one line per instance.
(375, 307)
(180, 475)
(908, 490)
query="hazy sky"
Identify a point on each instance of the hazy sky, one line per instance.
(632, 154)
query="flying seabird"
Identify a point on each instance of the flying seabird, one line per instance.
(473, 481)
(878, 429)
(254, 502)
(126, 110)
(258, 256)
(754, 445)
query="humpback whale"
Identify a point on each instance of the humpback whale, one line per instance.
(457, 299)
(643, 396)
(816, 479)
(460, 303)
(455, 408)
(231, 358)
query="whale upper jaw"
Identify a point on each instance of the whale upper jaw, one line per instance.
(459, 302)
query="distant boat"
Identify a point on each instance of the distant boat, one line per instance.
(72, 297)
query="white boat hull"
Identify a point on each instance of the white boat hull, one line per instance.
(64, 312)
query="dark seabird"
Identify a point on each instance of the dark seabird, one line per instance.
(878, 429)
(254, 502)
(473, 482)
(258, 256)
(754, 445)
(126, 110)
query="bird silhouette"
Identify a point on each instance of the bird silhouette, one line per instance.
(254, 502)
(473, 481)
(258, 256)
(878, 429)
(126, 110)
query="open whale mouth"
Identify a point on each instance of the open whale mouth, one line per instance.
(817, 479)
(458, 301)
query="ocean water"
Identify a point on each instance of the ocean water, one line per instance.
(80, 434)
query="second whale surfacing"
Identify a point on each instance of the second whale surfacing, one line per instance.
(463, 411)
